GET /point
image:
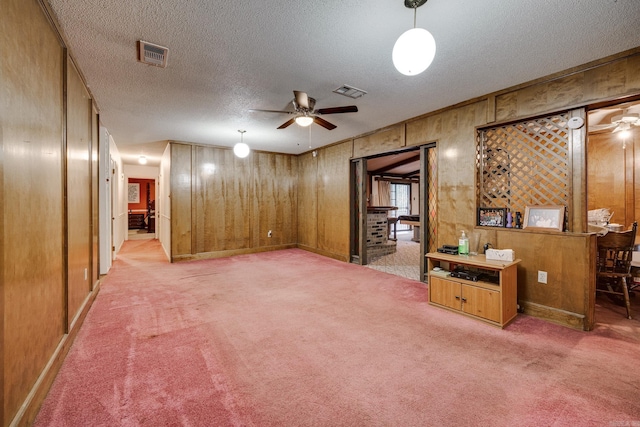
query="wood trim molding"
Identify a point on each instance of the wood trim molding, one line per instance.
(555, 315)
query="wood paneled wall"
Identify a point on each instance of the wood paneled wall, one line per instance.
(333, 200)
(568, 299)
(46, 174)
(181, 195)
(275, 199)
(78, 191)
(222, 205)
(308, 201)
(163, 204)
(613, 177)
(602, 80)
(32, 118)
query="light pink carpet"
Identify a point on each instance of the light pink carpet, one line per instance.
(290, 338)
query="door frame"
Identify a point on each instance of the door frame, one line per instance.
(359, 202)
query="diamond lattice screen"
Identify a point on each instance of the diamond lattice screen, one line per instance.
(432, 191)
(525, 163)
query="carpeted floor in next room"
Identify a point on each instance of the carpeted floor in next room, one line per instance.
(290, 338)
(404, 262)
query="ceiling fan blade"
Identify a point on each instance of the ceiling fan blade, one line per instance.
(337, 110)
(271, 111)
(287, 123)
(301, 99)
(602, 127)
(325, 124)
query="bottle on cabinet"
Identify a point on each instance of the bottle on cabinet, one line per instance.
(463, 244)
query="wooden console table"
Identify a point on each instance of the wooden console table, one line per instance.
(492, 299)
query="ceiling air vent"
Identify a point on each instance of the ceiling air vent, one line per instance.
(350, 91)
(152, 54)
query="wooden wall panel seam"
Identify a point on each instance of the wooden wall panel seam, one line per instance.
(65, 190)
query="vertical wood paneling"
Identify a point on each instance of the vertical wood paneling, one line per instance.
(630, 170)
(222, 200)
(31, 123)
(333, 199)
(78, 183)
(180, 198)
(606, 183)
(565, 289)
(95, 215)
(275, 199)
(456, 173)
(163, 207)
(308, 200)
(636, 179)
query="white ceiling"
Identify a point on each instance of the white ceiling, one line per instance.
(227, 57)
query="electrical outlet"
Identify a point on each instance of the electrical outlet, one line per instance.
(542, 277)
(269, 233)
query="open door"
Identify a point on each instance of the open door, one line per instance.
(358, 221)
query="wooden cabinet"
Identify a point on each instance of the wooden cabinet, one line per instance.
(493, 298)
(136, 221)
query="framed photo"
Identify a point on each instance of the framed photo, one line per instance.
(134, 193)
(544, 217)
(492, 217)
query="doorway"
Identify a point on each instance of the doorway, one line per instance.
(141, 199)
(613, 189)
(395, 193)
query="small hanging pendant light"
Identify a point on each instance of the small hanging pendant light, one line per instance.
(241, 149)
(415, 48)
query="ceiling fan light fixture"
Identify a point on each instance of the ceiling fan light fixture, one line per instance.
(415, 49)
(622, 127)
(304, 120)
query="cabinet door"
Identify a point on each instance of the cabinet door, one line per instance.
(481, 302)
(445, 292)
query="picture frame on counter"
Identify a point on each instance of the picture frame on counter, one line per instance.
(544, 217)
(492, 217)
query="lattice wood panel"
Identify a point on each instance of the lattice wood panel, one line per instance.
(432, 194)
(525, 163)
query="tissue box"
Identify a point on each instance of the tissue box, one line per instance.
(500, 255)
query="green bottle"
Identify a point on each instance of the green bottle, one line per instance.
(463, 244)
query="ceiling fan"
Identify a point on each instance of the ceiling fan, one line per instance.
(620, 122)
(305, 112)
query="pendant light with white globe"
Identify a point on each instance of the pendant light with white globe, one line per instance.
(415, 48)
(241, 149)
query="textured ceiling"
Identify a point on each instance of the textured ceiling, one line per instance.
(227, 57)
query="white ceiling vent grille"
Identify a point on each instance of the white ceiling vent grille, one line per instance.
(152, 54)
(350, 91)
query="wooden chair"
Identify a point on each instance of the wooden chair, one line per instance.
(614, 265)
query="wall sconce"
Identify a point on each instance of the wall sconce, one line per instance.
(142, 160)
(241, 149)
(415, 48)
